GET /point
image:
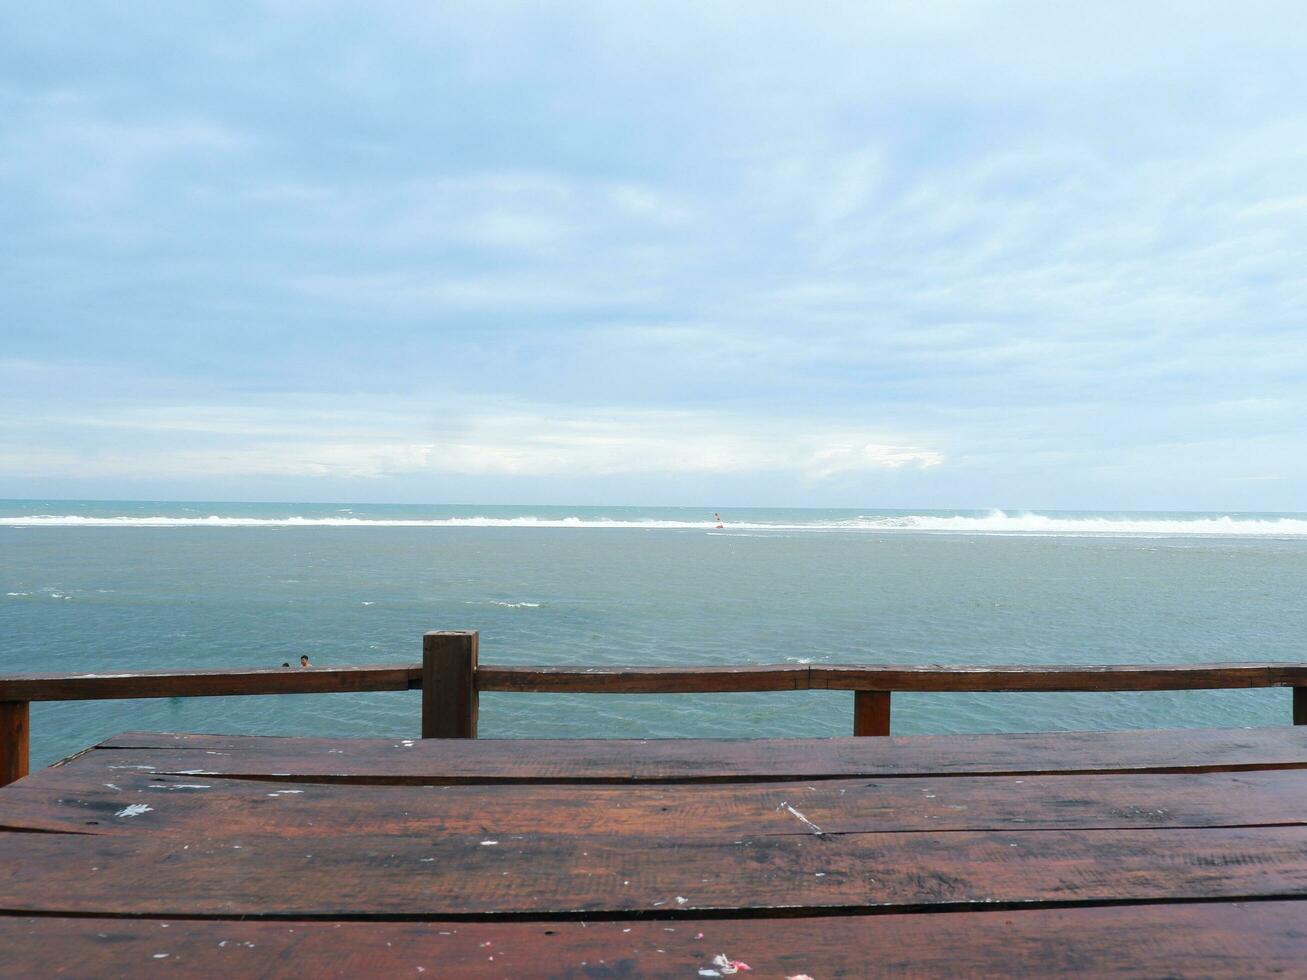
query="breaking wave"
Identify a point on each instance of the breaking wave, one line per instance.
(992, 523)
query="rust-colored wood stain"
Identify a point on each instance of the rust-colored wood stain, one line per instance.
(1131, 853)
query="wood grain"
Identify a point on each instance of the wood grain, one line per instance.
(458, 761)
(1208, 940)
(645, 680)
(209, 683)
(934, 677)
(871, 713)
(449, 692)
(57, 800)
(454, 877)
(15, 729)
(1072, 677)
(635, 679)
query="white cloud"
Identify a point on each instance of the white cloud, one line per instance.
(362, 443)
(1043, 242)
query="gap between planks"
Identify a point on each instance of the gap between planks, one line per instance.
(732, 778)
(661, 915)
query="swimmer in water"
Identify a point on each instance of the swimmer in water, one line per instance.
(304, 660)
(718, 518)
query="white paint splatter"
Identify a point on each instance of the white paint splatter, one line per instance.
(135, 810)
(729, 966)
(785, 805)
(489, 843)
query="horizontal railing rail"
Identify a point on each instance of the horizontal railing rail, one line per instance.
(814, 677)
(209, 683)
(451, 681)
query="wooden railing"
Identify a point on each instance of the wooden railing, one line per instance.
(451, 680)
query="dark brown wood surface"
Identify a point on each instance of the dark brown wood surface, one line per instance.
(209, 683)
(646, 680)
(1210, 940)
(1206, 940)
(1149, 853)
(653, 680)
(400, 761)
(871, 712)
(65, 800)
(892, 677)
(449, 692)
(15, 731)
(1072, 677)
(452, 877)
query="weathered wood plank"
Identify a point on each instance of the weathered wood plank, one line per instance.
(1073, 677)
(449, 693)
(382, 761)
(451, 876)
(892, 677)
(15, 729)
(1208, 940)
(645, 680)
(209, 683)
(871, 712)
(634, 679)
(59, 800)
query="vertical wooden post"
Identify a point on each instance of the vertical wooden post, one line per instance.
(1300, 705)
(871, 712)
(449, 691)
(13, 740)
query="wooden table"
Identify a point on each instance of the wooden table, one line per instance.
(1174, 852)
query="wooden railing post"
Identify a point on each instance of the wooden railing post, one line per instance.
(13, 740)
(449, 691)
(871, 712)
(1300, 705)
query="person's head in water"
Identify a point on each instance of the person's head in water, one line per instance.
(304, 660)
(287, 664)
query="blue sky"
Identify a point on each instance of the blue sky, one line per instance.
(1020, 255)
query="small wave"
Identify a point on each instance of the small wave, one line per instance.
(1027, 523)
(993, 523)
(517, 605)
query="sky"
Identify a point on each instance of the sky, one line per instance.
(953, 254)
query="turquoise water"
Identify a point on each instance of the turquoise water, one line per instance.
(96, 586)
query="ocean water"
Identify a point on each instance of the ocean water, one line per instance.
(109, 586)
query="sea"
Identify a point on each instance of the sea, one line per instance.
(112, 586)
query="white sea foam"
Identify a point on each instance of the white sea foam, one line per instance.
(992, 523)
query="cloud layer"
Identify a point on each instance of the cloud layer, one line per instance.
(970, 254)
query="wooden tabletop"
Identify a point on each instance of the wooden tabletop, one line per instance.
(1158, 852)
